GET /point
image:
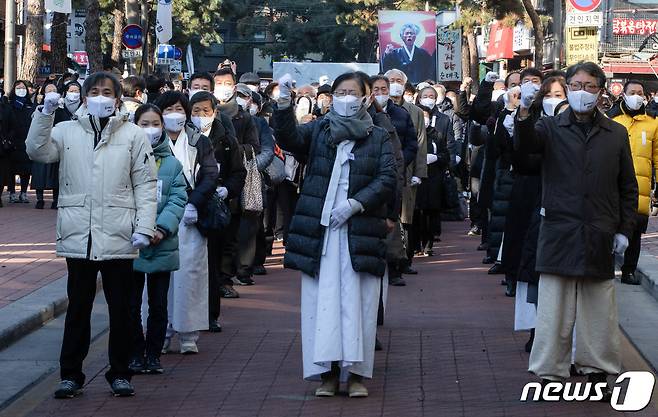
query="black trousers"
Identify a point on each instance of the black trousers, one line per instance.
(632, 254)
(156, 324)
(285, 208)
(216, 246)
(247, 234)
(25, 180)
(230, 249)
(81, 290)
(427, 227)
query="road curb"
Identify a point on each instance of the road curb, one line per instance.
(30, 312)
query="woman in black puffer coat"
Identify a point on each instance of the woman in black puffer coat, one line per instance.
(337, 236)
(18, 116)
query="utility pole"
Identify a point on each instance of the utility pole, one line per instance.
(558, 32)
(145, 41)
(10, 43)
(133, 18)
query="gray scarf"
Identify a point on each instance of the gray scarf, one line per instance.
(349, 128)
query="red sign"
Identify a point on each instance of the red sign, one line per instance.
(616, 88)
(80, 57)
(585, 5)
(500, 42)
(622, 26)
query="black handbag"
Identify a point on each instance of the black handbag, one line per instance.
(215, 216)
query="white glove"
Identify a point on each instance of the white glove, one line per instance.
(139, 241)
(343, 212)
(190, 216)
(285, 86)
(222, 192)
(528, 92)
(620, 244)
(415, 181)
(491, 77)
(431, 158)
(50, 103)
(458, 159)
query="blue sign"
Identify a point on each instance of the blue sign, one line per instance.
(178, 53)
(132, 36)
(166, 51)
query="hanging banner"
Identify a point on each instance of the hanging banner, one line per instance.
(501, 40)
(582, 44)
(59, 6)
(449, 54)
(189, 58)
(163, 26)
(407, 41)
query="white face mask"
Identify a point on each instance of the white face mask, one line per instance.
(582, 101)
(440, 98)
(275, 94)
(549, 105)
(101, 106)
(347, 105)
(408, 98)
(634, 102)
(153, 134)
(396, 90)
(323, 103)
(72, 98)
(253, 88)
(203, 122)
(428, 102)
(21, 92)
(241, 102)
(223, 92)
(174, 122)
(193, 92)
(145, 98)
(253, 109)
(655, 98)
(427, 122)
(496, 94)
(509, 124)
(382, 100)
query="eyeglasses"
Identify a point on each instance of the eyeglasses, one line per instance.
(577, 86)
(343, 93)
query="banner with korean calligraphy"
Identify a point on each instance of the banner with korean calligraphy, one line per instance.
(582, 44)
(449, 54)
(622, 26)
(407, 41)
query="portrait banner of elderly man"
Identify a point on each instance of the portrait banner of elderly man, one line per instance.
(407, 41)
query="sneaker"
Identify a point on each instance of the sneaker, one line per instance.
(244, 281)
(136, 365)
(68, 389)
(166, 345)
(409, 271)
(39, 205)
(397, 282)
(599, 377)
(13, 198)
(188, 347)
(153, 365)
(355, 387)
(475, 231)
(214, 327)
(630, 279)
(53, 205)
(229, 292)
(260, 270)
(122, 388)
(23, 198)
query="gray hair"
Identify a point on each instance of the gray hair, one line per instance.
(390, 72)
(97, 78)
(411, 26)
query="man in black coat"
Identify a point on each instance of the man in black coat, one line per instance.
(588, 209)
(416, 62)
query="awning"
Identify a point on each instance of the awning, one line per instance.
(500, 42)
(631, 67)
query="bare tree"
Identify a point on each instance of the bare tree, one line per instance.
(119, 21)
(33, 41)
(58, 64)
(93, 36)
(539, 32)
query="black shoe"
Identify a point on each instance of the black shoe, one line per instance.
(228, 291)
(39, 205)
(260, 270)
(630, 279)
(475, 231)
(598, 378)
(528, 344)
(136, 365)
(409, 271)
(488, 260)
(429, 252)
(510, 291)
(214, 327)
(495, 269)
(68, 389)
(122, 388)
(483, 246)
(53, 205)
(245, 281)
(503, 281)
(378, 345)
(573, 371)
(153, 365)
(397, 282)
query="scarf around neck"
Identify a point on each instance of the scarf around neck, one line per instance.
(349, 128)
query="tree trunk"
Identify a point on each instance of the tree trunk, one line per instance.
(33, 41)
(58, 46)
(93, 36)
(466, 63)
(473, 57)
(117, 46)
(539, 33)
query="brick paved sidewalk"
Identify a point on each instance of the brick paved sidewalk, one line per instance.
(27, 249)
(449, 351)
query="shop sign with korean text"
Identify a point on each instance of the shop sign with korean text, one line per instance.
(449, 47)
(582, 44)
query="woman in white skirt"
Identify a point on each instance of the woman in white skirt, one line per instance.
(337, 235)
(188, 289)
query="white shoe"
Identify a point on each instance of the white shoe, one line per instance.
(166, 345)
(188, 347)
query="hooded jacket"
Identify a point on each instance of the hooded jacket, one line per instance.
(107, 181)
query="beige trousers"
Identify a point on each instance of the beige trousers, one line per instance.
(589, 303)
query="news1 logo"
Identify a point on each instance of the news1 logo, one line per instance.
(638, 391)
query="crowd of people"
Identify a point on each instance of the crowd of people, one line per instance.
(177, 194)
